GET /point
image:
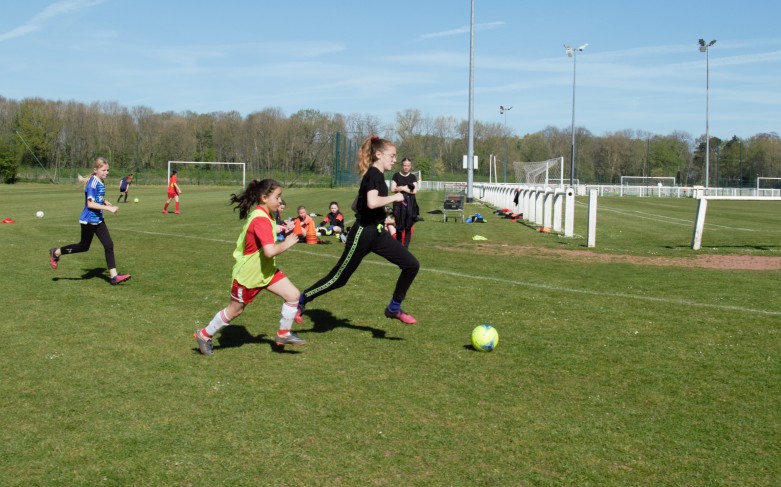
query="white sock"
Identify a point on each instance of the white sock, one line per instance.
(288, 313)
(217, 323)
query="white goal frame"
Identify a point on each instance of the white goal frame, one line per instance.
(242, 164)
(763, 191)
(648, 180)
(649, 183)
(532, 172)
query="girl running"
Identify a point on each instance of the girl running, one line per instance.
(92, 223)
(255, 267)
(368, 234)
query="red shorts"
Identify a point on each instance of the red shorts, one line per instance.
(171, 194)
(246, 295)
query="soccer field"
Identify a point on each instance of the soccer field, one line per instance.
(638, 362)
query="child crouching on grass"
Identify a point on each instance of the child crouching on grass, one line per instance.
(255, 267)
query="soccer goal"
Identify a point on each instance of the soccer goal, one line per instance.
(647, 180)
(541, 173)
(645, 185)
(768, 186)
(217, 173)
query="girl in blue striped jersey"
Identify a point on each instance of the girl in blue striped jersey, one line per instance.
(92, 223)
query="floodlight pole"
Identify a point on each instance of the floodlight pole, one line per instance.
(470, 150)
(706, 48)
(503, 111)
(572, 52)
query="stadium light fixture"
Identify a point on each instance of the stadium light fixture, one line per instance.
(705, 48)
(572, 52)
(503, 111)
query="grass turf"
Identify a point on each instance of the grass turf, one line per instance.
(607, 372)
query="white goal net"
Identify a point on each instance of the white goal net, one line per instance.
(209, 173)
(542, 173)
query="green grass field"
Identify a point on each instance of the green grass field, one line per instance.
(624, 365)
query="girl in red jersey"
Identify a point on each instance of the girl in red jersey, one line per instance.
(173, 194)
(255, 268)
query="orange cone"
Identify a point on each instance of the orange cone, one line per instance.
(311, 234)
(297, 230)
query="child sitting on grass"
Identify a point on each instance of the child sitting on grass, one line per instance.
(333, 223)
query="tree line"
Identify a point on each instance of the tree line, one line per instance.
(60, 136)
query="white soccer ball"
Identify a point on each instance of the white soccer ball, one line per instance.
(135, 200)
(39, 214)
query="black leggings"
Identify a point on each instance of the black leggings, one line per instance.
(361, 241)
(87, 233)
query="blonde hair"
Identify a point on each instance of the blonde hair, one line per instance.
(99, 162)
(367, 152)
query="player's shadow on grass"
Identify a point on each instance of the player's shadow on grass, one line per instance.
(237, 336)
(324, 321)
(716, 247)
(99, 272)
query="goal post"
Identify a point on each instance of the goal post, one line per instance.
(647, 180)
(645, 185)
(172, 164)
(540, 173)
(768, 186)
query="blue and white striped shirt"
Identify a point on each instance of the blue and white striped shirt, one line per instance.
(95, 190)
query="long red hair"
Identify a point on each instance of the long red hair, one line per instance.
(367, 154)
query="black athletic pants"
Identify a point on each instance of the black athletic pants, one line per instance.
(361, 241)
(87, 233)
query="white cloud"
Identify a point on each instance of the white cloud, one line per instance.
(46, 15)
(462, 30)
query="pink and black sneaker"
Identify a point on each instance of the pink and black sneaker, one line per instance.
(401, 316)
(53, 259)
(119, 278)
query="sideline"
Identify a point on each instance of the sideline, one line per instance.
(526, 284)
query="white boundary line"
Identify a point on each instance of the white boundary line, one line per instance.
(670, 220)
(651, 299)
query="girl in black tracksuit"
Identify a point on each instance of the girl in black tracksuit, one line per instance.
(375, 156)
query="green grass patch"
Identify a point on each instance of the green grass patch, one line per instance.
(626, 364)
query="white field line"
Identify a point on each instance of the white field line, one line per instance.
(511, 282)
(667, 219)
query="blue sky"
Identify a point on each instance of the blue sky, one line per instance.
(641, 71)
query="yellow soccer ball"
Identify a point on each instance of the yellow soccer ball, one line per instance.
(485, 338)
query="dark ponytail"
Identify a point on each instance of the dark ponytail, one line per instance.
(252, 196)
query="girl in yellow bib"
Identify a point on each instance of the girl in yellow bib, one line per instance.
(255, 268)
